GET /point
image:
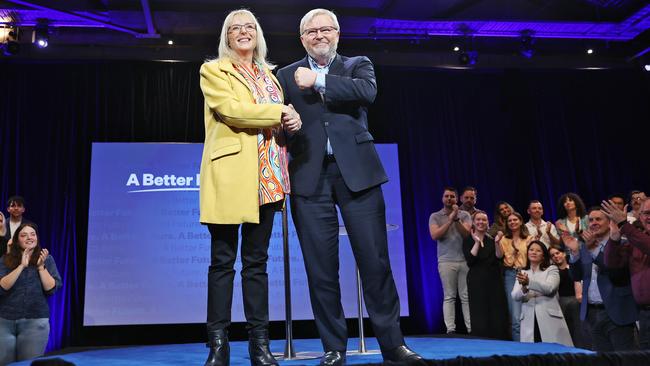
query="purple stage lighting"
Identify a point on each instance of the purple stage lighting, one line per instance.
(41, 35)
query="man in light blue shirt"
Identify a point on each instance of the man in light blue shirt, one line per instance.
(608, 308)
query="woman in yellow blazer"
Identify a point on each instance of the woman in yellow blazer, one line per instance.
(244, 179)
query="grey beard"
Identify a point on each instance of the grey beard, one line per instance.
(329, 55)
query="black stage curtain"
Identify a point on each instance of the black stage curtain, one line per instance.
(514, 134)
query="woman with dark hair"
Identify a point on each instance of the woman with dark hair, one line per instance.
(513, 245)
(570, 296)
(28, 275)
(487, 298)
(501, 212)
(536, 288)
(572, 215)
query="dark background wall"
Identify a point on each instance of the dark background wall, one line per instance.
(515, 134)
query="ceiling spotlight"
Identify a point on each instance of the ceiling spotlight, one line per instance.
(456, 48)
(170, 42)
(526, 44)
(41, 34)
(646, 67)
(590, 51)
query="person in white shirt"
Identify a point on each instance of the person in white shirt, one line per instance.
(636, 199)
(541, 230)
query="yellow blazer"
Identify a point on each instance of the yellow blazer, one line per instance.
(230, 164)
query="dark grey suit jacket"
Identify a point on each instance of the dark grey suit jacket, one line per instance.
(340, 114)
(613, 284)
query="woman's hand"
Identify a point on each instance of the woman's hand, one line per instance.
(476, 238)
(24, 260)
(497, 239)
(291, 121)
(561, 227)
(522, 277)
(41, 259)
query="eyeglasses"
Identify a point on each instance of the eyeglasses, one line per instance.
(313, 32)
(237, 28)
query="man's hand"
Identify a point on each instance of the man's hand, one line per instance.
(305, 78)
(614, 231)
(571, 242)
(588, 237)
(613, 212)
(549, 226)
(454, 212)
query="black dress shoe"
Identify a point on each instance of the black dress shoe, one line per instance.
(219, 348)
(258, 348)
(403, 355)
(333, 358)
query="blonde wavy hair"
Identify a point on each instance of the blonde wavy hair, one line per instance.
(225, 52)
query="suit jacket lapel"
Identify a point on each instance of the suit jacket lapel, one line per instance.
(336, 68)
(305, 63)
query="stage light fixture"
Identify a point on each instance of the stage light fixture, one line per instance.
(41, 35)
(456, 49)
(590, 51)
(526, 44)
(170, 42)
(646, 67)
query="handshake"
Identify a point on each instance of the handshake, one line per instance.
(290, 119)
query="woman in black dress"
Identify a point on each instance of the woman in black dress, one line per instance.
(488, 307)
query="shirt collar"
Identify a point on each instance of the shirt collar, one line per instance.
(314, 64)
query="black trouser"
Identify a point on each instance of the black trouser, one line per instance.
(364, 215)
(607, 335)
(255, 284)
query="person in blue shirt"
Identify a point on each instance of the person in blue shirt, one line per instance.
(28, 275)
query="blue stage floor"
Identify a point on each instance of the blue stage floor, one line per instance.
(195, 353)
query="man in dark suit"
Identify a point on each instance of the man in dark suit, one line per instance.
(607, 304)
(333, 162)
